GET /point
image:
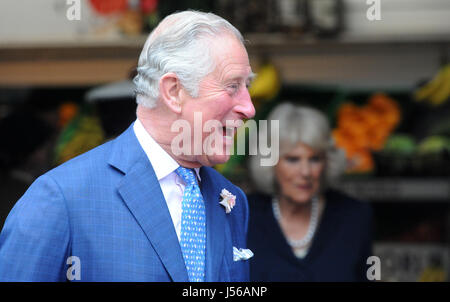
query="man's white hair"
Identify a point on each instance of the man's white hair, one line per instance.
(179, 44)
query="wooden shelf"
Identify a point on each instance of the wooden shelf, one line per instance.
(64, 72)
(86, 62)
(379, 63)
(398, 189)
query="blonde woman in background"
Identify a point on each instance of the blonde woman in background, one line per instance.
(300, 229)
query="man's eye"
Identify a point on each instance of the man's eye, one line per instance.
(234, 86)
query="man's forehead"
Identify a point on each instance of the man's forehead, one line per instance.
(233, 64)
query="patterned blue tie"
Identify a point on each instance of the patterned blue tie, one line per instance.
(193, 226)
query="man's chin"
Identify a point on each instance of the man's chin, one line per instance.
(213, 160)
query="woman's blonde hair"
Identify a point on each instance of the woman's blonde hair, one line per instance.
(299, 124)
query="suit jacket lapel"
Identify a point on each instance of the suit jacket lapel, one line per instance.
(215, 226)
(142, 194)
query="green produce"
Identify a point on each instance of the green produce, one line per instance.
(434, 144)
(82, 134)
(400, 144)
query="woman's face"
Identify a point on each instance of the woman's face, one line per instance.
(299, 173)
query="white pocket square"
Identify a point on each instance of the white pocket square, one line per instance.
(241, 254)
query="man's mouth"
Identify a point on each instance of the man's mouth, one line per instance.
(229, 132)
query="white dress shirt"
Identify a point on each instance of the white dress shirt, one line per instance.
(164, 166)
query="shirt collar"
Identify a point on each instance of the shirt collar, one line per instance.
(163, 164)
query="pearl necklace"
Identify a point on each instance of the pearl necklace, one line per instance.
(312, 223)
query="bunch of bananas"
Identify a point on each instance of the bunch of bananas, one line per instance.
(436, 91)
(433, 274)
(266, 85)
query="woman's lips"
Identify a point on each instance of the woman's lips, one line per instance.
(305, 187)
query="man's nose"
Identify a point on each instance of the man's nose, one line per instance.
(245, 105)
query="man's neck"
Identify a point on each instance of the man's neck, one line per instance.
(159, 130)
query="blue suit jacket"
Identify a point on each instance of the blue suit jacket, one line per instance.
(106, 208)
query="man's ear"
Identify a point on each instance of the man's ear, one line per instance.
(169, 90)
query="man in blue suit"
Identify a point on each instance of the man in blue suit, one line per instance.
(118, 212)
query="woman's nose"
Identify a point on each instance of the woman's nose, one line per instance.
(305, 169)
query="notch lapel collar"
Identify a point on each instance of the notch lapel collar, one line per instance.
(142, 194)
(215, 226)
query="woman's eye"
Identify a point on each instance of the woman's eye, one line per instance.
(291, 159)
(316, 159)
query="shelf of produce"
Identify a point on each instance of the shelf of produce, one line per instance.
(398, 189)
(410, 262)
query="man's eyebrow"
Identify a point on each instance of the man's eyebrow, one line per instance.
(249, 78)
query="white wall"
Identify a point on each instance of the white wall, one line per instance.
(399, 18)
(44, 20)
